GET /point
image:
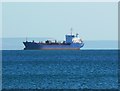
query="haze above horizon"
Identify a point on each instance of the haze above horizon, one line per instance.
(93, 21)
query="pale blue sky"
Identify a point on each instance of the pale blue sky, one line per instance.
(93, 21)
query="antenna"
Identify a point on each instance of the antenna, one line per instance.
(26, 38)
(71, 30)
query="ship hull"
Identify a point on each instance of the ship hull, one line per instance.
(52, 49)
(40, 46)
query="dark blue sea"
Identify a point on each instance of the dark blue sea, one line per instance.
(60, 69)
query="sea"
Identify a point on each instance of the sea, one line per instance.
(59, 69)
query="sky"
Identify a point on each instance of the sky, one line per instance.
(60, 0)
(96, 23)
(93, 21)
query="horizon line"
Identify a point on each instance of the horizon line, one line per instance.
(51, 38)
(60, 1)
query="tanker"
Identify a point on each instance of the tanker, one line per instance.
(72, 42)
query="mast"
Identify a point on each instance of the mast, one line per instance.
(26, 39)
(71, 30)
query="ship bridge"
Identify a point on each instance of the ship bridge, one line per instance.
(73, 39)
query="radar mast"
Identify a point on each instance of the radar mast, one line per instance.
(71, 30)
